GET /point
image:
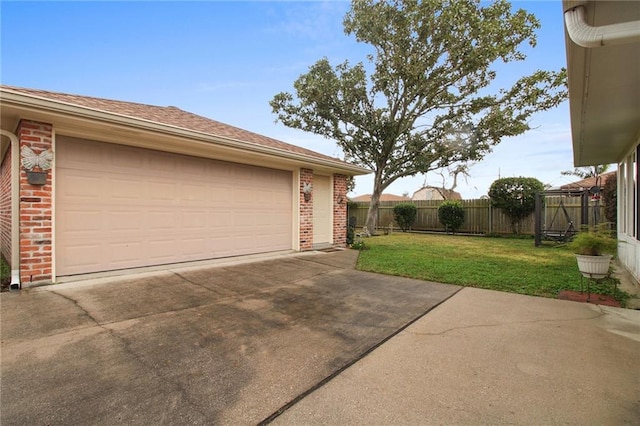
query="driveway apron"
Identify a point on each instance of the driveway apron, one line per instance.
(217, 345)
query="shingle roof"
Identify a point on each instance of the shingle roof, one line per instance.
(170, 115)
(589, 182)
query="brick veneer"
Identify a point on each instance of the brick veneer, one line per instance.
(5, 206)
(35, 210)
(340, 210)
(306, 212)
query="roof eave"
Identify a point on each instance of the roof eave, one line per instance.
(32, 102)
(603, 85)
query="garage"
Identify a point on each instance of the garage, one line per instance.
(93, 185)
(119, 207)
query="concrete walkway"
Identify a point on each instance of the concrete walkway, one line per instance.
(306, 339)
(223, 345)
(485, 357)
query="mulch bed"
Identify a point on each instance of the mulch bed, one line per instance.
(596, 299)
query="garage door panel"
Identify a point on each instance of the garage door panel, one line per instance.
(121, 188)
(162, 163)
(195, 220)
(143, 207)
(162, 191)
(80, 158)
(79, 220)
(81, 188)
(79, 257)
(220, 220)
(125, 221)
(160, 220)
(125, 254)
(121, 159)
(161, 251)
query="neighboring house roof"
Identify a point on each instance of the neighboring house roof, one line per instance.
(589, 182)
(366, 198)
(444, 194)
(602, 41)
(171, 118)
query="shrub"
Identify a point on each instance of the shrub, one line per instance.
(405, 214)
(610, 199)
(352, 206)
(5, 274)
(351, 230)
(359, 245)
(516, 197)
(594, 242)
(451, 215)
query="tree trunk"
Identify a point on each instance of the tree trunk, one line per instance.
(372, 214)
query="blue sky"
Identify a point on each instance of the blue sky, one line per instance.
(226, 60)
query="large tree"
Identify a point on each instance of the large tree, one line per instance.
(427, 101)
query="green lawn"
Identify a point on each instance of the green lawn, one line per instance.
(504, 264)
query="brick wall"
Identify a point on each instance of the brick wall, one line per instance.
(306, 212)
(340, 210)
(35, 210)
(5, 206)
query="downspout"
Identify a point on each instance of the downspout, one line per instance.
(15, 210)
(588, 36)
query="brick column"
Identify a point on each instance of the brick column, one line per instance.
(36, 258)
(340, 210)
(306, 212)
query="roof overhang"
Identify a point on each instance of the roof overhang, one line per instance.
(604, 78)
(83, 122)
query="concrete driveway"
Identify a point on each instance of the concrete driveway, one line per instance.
(224, 345)
(308, 340)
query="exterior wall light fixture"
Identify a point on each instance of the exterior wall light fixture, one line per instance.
(306, 190)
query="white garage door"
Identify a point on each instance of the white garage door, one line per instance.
(121, 207)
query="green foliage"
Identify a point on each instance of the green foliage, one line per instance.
(428, 101)
(451, 215)
(405, 214)
(351, 230)
(5, 274)
(502, 264)
(587, 171)
(516, 197)
(359, 245)
(351, 206)
(594, 242)
(610, 199)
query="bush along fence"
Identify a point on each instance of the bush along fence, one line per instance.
(479, 217)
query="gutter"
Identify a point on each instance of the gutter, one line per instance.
(585, 35)
(15, 210)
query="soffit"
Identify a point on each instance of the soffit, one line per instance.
(604, 89)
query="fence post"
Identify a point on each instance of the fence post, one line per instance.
(538, 220)
(490, 219)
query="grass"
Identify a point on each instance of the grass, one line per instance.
(5, 274)
(503, 264)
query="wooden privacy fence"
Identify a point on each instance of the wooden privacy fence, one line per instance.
(480, 217)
